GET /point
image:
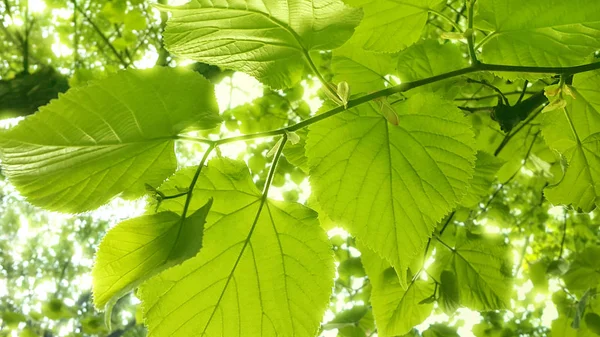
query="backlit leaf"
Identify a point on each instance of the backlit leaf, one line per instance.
(264, 270)
(481, 266)
(396, 309)
(139, 248)
(114, 135)
(574, 132)
(269, 40)
(389, 185)
(539, 32)
(392, 25)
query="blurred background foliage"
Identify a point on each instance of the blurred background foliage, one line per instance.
(48, 46)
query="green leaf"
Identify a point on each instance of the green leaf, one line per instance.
(139, 248)
(363, 70)
(12, 319)
(482, 267)
(449, 299)
(430, 58)
(392, 25)
(561, 327)
(295, 153)
(486, 167)
(539, 32)
(574, 132)
(56, 309)
(114, 135)
(135, 20)
(349, 317)
(537, 275)
(584, 272)
(390, 185)
(269, 40)
(396, 309)
(266, 267)
(440, 330)
(592, 321)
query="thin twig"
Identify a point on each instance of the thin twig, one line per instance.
(101, 34)
(564, 236)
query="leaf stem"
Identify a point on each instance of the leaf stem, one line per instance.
(471, 33)
(447, 222)
(479, 98)
(190, 190)
(523, 92)
(485, 40)
(493, 87)
(564, 236)
(442, 16)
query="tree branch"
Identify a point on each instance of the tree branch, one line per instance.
(480, 67)
(101, 34)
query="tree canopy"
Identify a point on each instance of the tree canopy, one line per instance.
(417, 168)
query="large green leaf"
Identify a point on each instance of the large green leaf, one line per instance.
(482, 267)
(584, 272)
(396, 309)
(139, 248)
(112, 136)
(562, 327)
(430, 58)
(486, 167)
(575, 133)
(392, 25)
(266, 269)
(389, 185)
(539, 32)
(363, 70)
(266, 39)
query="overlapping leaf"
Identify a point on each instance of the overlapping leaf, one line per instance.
(575, 133)
(539, 32)
(482, 269)
(430, 58)
(396, 309)
(584, 272)
(363, 70)
(113, 136)
(392, 25)
(266, 269)
(486, 167)
(266, 39)
(389, 185)
(139, 248)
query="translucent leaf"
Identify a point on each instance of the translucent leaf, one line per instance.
(268, 39)
(135, 19)
(440, 330)
(266, 269)
(396, 309)
(114, 135)
(482, 267)
(449, 292)
(364, 71)
(389, 185)
(561, 327)
(584, 272)
(139, 248)
(575, 133)
(430, 58)
(486, 167)
(392, 25)
(539, 32)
